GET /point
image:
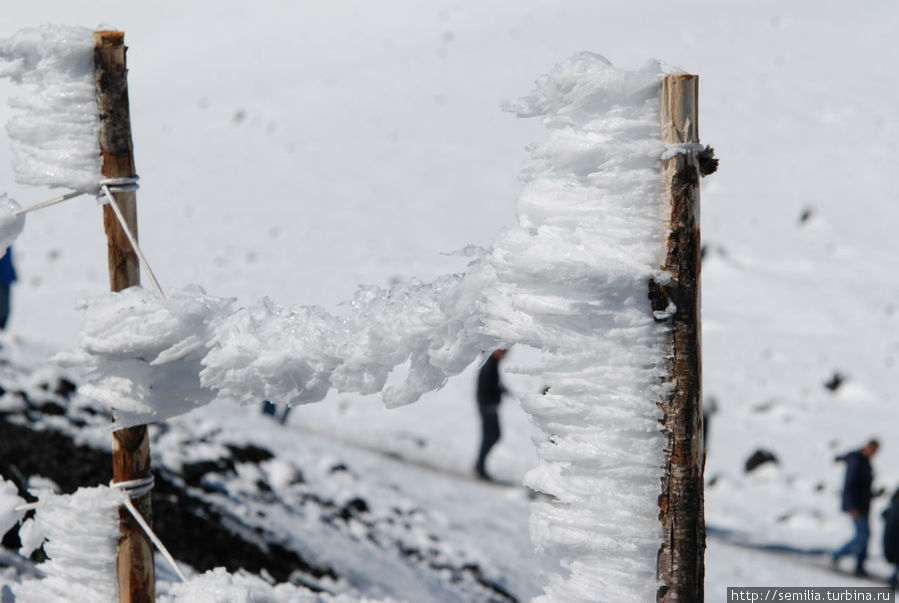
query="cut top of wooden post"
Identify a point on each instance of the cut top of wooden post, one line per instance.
(680, 97)
(112, 99)
(679, 118)
(110, 37)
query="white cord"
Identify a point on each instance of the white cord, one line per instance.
(105, 189)
(135, 489)
(116, 185)
(121, 185)
(44, 204)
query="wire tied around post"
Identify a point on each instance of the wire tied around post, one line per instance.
(109, 186)
(129, 490)
(121, 185)
(136, 488)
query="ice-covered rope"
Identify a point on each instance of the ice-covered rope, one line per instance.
(134, 489)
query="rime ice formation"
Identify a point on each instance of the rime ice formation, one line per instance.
(80, 533)
(146, 353)
(570, 280)
(591, 237)
(297, 355)
(153, 359)
(9, 500)
(54, 126)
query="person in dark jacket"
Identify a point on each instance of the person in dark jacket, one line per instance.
(489, 393)
(891, 536)
(857, 495)
(7, 278)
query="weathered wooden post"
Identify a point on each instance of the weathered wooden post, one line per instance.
(130, 447)
(681, 568)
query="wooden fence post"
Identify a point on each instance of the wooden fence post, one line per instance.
(130, 447)
(681, 568)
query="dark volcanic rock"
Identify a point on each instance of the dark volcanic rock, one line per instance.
(759, 458)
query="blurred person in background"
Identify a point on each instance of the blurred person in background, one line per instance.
(891, 537)
(857, 496)
(7, 278)
(489, 394)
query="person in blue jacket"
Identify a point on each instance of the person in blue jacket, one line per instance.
(857, 496)
(7, 278)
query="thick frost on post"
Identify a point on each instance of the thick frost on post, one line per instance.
(54, 125)
(80, 533)
(591, 238)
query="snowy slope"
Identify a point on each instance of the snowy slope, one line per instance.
(333, 520)
(294, 153)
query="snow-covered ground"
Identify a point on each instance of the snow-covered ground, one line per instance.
(296, 152)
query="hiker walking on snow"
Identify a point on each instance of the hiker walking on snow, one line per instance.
(857, 495)
(489, 393)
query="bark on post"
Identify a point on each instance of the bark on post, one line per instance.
(681, 568)
(130, 447)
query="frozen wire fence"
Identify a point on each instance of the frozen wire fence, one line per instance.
(135, 489)
(11, 223)
(571, 280)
